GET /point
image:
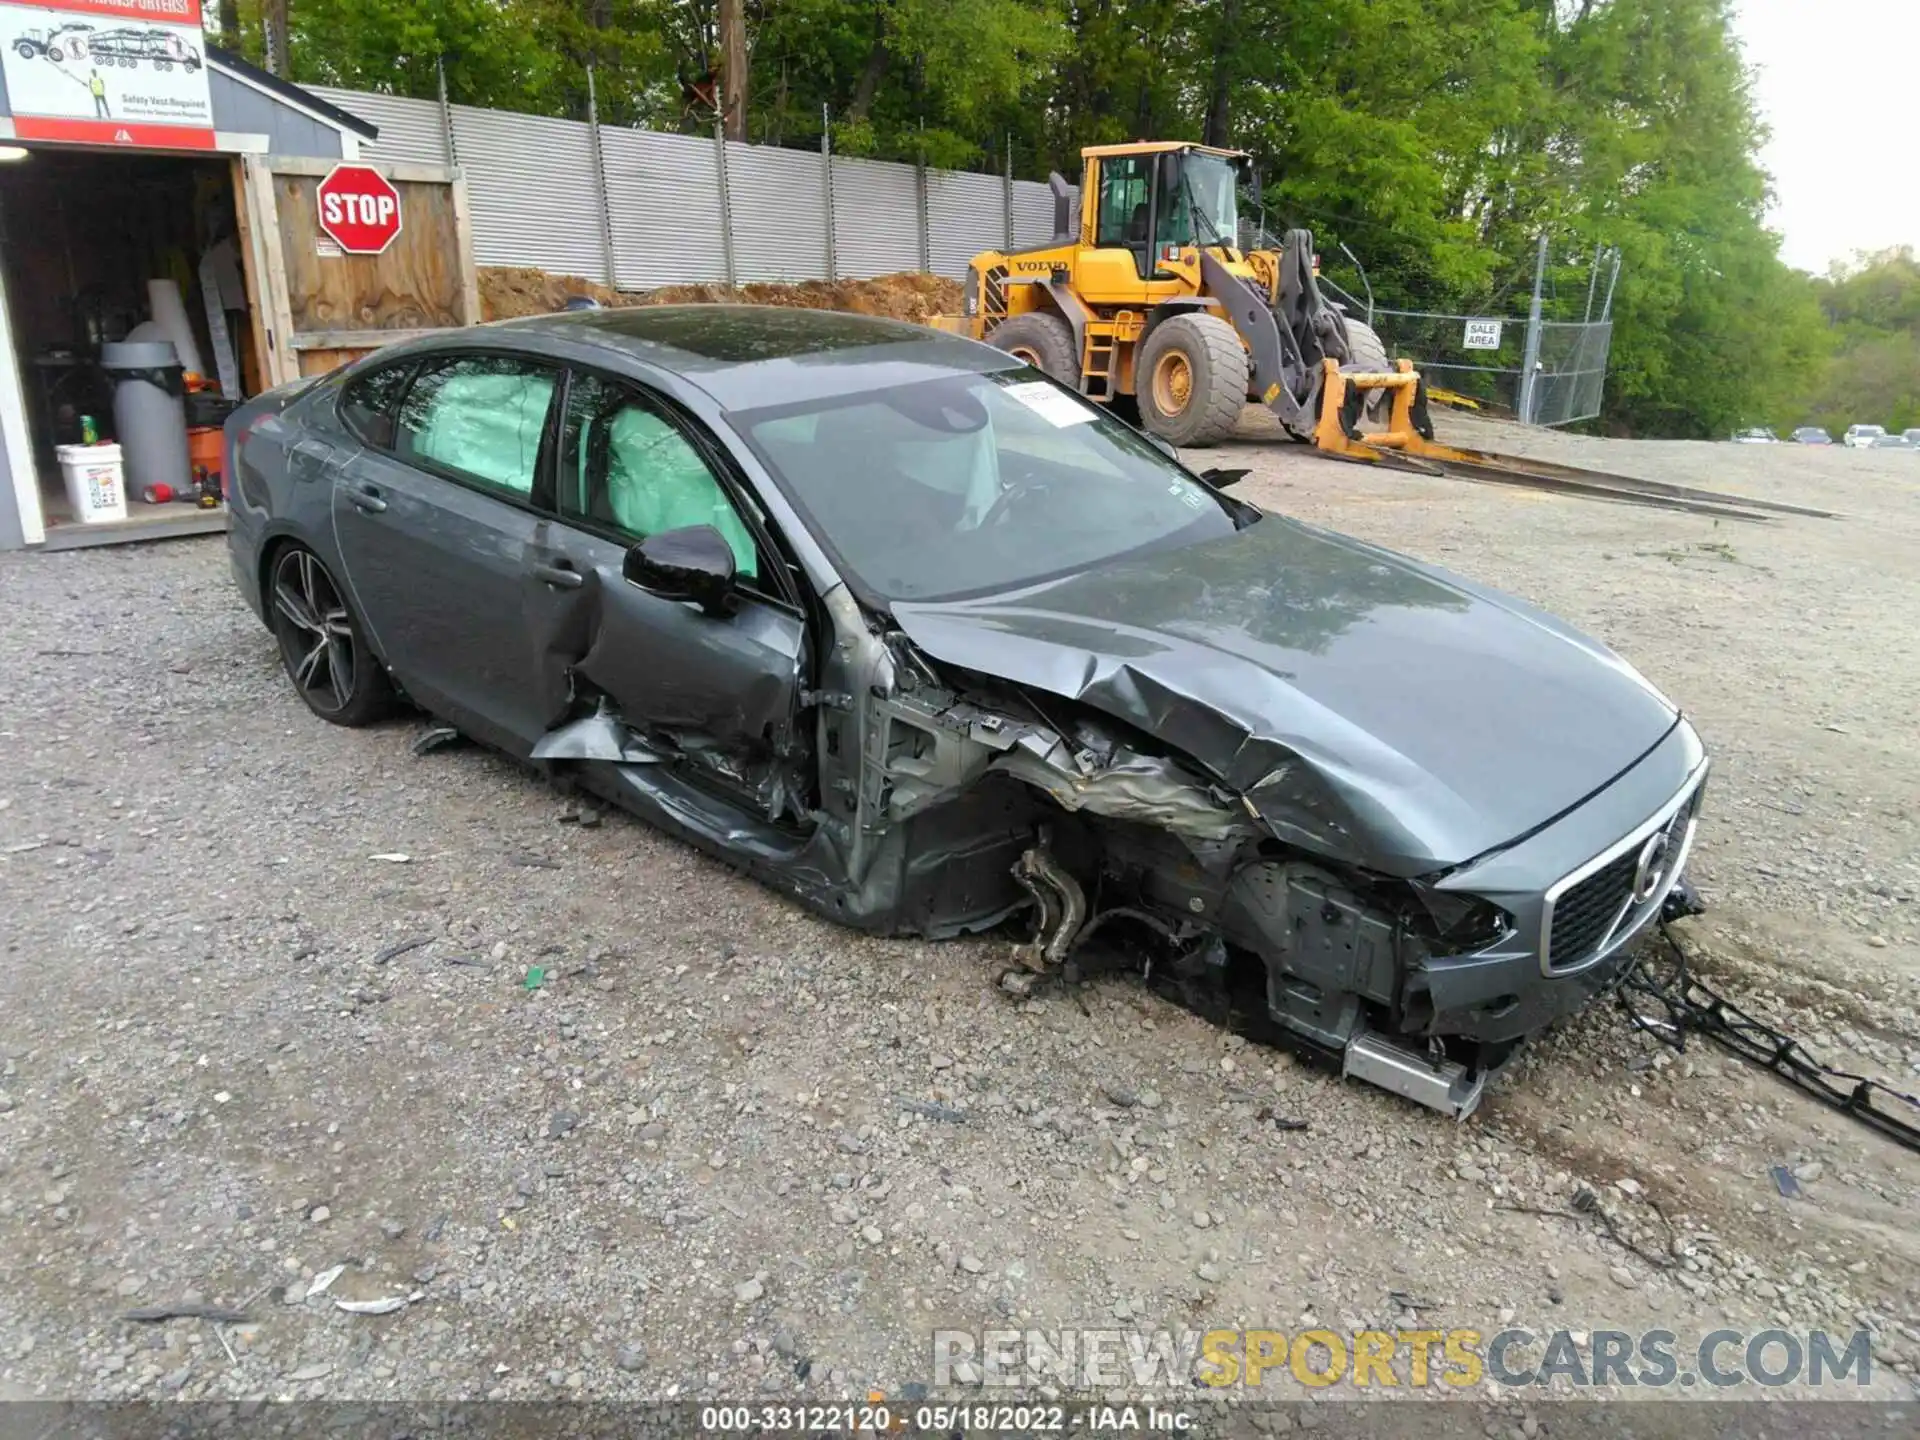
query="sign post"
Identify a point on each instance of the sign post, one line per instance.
(107, 72)
(359, 209)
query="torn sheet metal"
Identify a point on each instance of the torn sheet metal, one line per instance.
(600, 736)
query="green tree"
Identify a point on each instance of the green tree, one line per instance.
(1872, 304)
(1437, 138)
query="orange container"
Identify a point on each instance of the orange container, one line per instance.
(203, 449)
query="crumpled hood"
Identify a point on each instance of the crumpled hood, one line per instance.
(1368, 706)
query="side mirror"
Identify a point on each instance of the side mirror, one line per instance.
(694, 563)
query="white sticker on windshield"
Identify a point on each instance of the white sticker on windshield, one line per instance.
(1056, 407)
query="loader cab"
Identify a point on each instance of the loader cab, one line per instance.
(1154, 200)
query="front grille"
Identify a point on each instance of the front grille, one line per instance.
(1584, 915)
(1590, 914)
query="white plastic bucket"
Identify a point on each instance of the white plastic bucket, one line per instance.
(96, 488)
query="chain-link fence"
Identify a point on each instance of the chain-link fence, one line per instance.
(1537, 370)
(1484, 358)
(1571, 375)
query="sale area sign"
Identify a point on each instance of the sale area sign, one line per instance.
(108, 72)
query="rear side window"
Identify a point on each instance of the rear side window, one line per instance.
(481, 417)
(366, 405)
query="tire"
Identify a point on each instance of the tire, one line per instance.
(1042, 339)
(1369, 356)
(1190, 378)
(322, 642)
(1369, 352)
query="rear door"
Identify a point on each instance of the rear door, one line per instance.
(434, 522)
(719, 692)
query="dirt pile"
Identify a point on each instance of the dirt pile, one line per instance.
(506, 292)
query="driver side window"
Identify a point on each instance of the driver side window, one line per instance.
(627, 468)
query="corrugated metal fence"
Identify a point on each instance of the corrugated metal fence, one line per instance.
(664, 209)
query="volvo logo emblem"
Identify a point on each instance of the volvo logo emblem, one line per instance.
(1651, 873)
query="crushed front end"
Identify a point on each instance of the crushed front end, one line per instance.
(1258, 909)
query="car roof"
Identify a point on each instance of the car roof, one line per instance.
(746, 356)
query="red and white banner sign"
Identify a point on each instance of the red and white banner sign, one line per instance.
(108, 72)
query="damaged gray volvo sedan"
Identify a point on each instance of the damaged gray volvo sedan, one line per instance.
(905, 629)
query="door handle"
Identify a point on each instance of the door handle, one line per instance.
(367, 499)
(560, 574)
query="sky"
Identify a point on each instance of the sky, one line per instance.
(1836, 82)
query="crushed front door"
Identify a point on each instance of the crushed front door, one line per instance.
(638, 677)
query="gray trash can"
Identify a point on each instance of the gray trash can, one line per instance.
(150, 416)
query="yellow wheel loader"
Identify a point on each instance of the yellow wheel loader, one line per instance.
(1143, 294)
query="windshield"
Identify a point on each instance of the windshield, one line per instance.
(975, 483)
(1206, 183)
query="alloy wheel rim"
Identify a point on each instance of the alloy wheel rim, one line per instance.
(316, 635)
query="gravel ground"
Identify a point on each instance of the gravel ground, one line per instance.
(714, 1151)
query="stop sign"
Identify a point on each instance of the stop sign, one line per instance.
(359, 209)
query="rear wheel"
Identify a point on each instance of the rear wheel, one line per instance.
(322, 644)
(1042, 339)
(1190, 378)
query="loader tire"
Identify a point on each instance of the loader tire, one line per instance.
(1368, 352)
(1191, 380)
(1042, 339)
(1368, 355)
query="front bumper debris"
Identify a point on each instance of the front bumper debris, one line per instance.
(1433, 1081)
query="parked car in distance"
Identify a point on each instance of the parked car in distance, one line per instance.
(1912, 434)
(1891, 442)
(1811, 435)
(1759, 435)
(1861, 436)
(896, 624)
